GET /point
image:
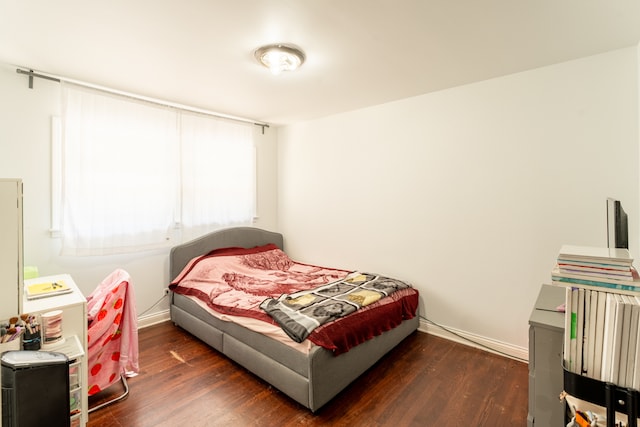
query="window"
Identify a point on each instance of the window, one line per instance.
(134, 175)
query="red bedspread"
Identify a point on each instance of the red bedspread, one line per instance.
(235, 281)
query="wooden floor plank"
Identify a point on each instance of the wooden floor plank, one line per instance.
(425, 381)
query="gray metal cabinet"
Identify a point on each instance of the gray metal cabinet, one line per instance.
(546, 335)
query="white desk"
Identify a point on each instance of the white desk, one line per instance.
(74, 331)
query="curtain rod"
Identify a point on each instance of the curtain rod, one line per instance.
(59, 79)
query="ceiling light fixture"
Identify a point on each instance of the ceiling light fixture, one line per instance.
(280, 57)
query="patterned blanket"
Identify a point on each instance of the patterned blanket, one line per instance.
(300, 313)
(237, 281)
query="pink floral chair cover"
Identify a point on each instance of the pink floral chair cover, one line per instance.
(112, 332)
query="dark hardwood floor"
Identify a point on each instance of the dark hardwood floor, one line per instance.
(425, 381)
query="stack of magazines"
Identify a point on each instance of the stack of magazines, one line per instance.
(596, 268)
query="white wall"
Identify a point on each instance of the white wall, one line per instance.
(25, 137)
(469, 192)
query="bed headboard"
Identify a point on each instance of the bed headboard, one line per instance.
(244, 237)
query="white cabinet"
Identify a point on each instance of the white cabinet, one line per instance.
(74, 331)
(10, 250)
(10, 247)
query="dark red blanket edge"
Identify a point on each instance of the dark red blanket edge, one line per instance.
(347, 332)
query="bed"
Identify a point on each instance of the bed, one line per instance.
(308, 373)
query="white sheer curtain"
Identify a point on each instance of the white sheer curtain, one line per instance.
(218, 173)
(122, 184)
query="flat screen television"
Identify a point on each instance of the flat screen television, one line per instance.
(617, 225)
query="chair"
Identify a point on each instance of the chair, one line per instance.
(112, 335)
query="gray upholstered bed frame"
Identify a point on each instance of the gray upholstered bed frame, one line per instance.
(311, 379)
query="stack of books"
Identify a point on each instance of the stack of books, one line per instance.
(602, 313)
(596, 268)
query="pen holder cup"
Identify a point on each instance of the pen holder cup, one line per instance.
(51, 328)
(31, 340)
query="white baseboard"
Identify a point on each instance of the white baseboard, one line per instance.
(153, 318)
(477, 341)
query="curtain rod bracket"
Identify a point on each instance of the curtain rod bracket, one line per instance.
(31, 75)
(262, 125)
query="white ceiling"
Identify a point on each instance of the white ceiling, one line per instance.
(359, 52)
